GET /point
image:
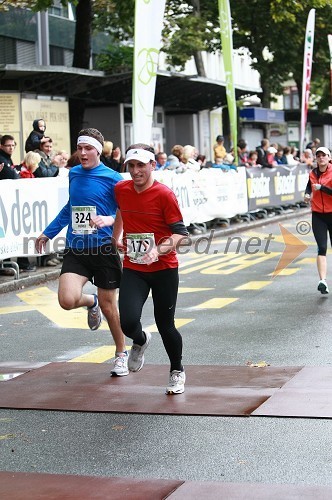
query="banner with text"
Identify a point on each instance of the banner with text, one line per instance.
(282, 185)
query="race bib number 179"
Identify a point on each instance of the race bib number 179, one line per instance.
(138, 244)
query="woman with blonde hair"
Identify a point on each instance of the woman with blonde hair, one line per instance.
(29, 165)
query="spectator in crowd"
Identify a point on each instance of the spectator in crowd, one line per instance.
(295, 153)
(46, 167)
(262, 154)
(270, 156)
(37, 136)
(201, 160)
(290, 160)
(117, 159)
(307, 157)
(90, 254)
(188, 159)
(242, 153)
(279, 156)
(106, 155)
(161, 159)
(7, 147)
(252, 159)
(219, 149)
(74, 160)
(313, 145)
(174, 160)
(30, 164)
(60, 160)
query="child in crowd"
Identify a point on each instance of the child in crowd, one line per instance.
(252, 159)
(29, 165)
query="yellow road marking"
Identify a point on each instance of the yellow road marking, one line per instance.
(307, 260)
(253, 285)
(190, 290)
(202, 264)
(99, 355)
(216, 303)
(178, 323)
(16, 309)
(46, 302)
(238, 263)
(286, 272)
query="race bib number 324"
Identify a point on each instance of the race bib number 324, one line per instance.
(80, 218)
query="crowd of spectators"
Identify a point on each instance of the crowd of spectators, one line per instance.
(41, 160)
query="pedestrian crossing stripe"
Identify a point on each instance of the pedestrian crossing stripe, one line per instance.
(45, 301)
(253, 285)
(99, 355)
(238, 263)
(216, 303)
(288, 271)
(178, 323)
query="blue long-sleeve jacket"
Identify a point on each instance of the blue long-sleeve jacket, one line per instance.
(93, 187)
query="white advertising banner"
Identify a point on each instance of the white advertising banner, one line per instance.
(27, 206)
(306, 78)
(149, 15)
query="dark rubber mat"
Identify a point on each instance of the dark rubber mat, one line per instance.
(210, 390)
(26, 486)
(307, 394)
(32, 486)
(245, 491)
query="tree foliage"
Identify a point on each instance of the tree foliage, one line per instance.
(272, 30)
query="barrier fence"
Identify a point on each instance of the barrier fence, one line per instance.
(27, 206)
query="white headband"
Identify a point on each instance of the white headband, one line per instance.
(140, 155)
(90, 140)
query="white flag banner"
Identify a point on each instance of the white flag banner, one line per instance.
(149, 15)
(307, 64)
(329, 37)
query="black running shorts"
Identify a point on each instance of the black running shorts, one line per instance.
(101, 265)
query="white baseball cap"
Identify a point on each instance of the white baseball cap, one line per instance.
(324, 150)
(141, 155)
(271, 149)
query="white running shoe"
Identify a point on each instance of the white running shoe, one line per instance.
(177, 380)
(136, 354)
(120, 368)
(322, 287)
(94, 315)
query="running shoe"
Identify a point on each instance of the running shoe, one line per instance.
(136, 354)
(120, 368)
(94, 315)
(176, 383)
(322, 287)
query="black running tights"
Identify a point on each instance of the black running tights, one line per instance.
(321, 225)
(134, 290)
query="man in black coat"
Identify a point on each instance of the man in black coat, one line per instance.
(7, 146)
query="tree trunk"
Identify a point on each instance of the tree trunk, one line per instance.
(199, 64)
(82, 55)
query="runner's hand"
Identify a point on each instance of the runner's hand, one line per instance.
(41, 242)
(101, 221)
(306, 198)
(316, 187)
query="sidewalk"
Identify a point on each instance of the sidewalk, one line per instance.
(44, 274)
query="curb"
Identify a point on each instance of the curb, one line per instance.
(36, 279)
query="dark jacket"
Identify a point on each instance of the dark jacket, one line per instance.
(262, 158)
(46, 170)
(33, 141)
(8, 171)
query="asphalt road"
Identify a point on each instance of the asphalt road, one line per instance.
(231, 310)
